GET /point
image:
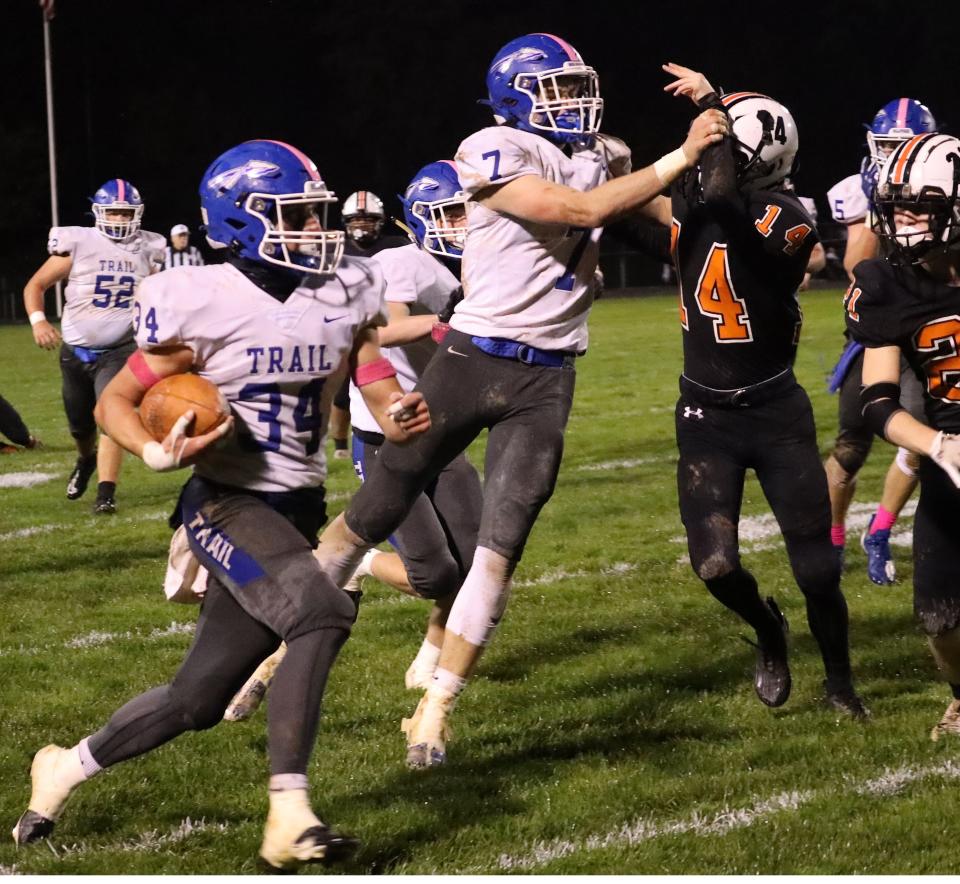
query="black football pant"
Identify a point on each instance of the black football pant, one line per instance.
(12, 425)
(83, 382)
(525, 407)
(437, 539)
(777, 439)
(265, 585)
(936, 551)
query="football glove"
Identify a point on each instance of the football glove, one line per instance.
(456, 296)
(945, 453)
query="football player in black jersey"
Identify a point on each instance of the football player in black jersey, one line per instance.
(909, 304)
(740, 240)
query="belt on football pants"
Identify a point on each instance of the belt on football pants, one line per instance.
(88, 354)
(504, 348)
(743, 397)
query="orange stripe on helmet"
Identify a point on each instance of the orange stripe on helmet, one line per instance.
(736, 96)
(896, 177)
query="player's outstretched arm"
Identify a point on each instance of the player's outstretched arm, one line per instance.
(403, 327)
(400, 415)
(55, 269)
(544, 202)
(116, 412)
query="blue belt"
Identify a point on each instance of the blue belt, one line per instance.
(87, 354)
(507, 349)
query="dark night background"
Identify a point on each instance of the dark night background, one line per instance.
(152, 92)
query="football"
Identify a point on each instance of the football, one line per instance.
(170, 398)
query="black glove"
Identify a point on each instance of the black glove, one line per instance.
(456, 296)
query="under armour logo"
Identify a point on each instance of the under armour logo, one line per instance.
(689, 412)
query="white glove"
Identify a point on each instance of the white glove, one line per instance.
(945, 453)
(165, 456)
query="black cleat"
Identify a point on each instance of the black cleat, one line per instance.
(843, 698)
(772, 680)
(318, 844)
(80, 477)
(31, 827)
(104, 505)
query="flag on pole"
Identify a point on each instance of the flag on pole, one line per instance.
(47, 7)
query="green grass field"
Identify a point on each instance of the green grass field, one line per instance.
(612, 728)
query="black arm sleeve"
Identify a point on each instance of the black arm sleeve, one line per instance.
(644, 234)
(718, 169)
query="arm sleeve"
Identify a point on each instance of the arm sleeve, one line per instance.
(718, 170)
(644, 234)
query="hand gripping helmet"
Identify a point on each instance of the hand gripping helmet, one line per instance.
(434, 207)
(117, 195)
(766, 139)
(897, 121)
(363, 216)
(539, 83)
(266, 201)
(921, 176)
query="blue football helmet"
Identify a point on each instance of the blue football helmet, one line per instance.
(434, 207)
(539, 83)
(266, 201)
(897, 121)
(117, 196)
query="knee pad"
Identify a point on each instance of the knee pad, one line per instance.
(712, 544)
(199, 709)
(816, 567)
(939, 618)
(440, 578)
(908, 462)
(482, 598)
(946, 651)
(850, 451)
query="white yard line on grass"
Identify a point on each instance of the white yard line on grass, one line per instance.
(32, 530)
(96, 639)
(627, 464)
(644, 829)
(25, 480)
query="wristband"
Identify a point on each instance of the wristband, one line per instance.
(146, 376)
(37, 316)
(670, 166)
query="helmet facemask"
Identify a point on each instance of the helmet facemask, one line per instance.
(918, 241)
(564, 101)
(364, 228)
(294, 229)
(113, 228)
(444, 225)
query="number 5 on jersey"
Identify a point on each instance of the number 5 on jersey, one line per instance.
(717, 300)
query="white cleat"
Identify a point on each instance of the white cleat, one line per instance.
(297, 836)
(248, 699)
(47, 798)
(949, 724)
(428, 731)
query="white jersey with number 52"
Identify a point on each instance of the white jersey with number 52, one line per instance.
(271, 360)
(103, 278)
(524, 281)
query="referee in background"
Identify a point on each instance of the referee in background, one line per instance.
(180, 252)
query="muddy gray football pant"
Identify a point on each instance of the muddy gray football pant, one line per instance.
(265, 586)
(437, 539)
(525, 407)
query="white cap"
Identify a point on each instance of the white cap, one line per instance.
(179, 228)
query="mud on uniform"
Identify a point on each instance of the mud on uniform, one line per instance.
(96, 324)
(906, 308)
(254, 504)
(437, 539)
(507, 363)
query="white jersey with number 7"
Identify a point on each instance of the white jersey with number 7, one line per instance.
(525, 281)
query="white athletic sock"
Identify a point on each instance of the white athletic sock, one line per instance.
(365, 568)
(482, 599)
(447, 683)
(427, 657)
(76, 765)
(288, 782)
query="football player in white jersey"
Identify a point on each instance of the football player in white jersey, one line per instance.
(254, 503)
(850, 202)
(541, 184)
(103, 266)
(436, 542)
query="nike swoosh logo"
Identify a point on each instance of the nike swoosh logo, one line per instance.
(457, 353)
(333, 318)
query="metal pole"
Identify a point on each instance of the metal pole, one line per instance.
(51, 141)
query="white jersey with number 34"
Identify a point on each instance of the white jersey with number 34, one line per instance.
(271, 360)
(103, 278)
(525, 281)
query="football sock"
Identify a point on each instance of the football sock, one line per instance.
(340, 444)
(955, 688)
(106, 489)
(482, 598)
(829, 623)
(738, 592)
(427, 657)
(12, 425)
(288, 782)
(365, 568)
(294, 711)
(87, 762)
(838, 535)
(883, 520)
(447, 683)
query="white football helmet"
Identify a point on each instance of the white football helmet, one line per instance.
(363, 217)
(766, 139)
(922, 177)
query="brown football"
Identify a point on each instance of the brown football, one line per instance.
(167, 400)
